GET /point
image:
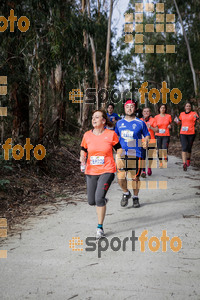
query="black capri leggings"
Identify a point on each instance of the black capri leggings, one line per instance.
(162, 143)
(97, 187)
(187, 141)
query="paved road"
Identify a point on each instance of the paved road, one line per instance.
(40, 264)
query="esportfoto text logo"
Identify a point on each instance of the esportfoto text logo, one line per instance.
(153, 244)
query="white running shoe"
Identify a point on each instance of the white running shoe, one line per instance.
(100, 233)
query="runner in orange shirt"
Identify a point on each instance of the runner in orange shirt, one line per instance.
(153, 128)
(163, 121)
(187, 119)
(97, 155)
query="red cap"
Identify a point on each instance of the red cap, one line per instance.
(129, 102)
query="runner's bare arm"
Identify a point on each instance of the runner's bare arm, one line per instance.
(145, 142)
(119, 161)
(155, 129)
(83, 155)
(177, 121)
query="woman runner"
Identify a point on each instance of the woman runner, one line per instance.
(163, 121)
(187, 119)
(97, 154)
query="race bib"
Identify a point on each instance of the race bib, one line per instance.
(96, 160)
(127, 134)
(161, 130)
(184, 128)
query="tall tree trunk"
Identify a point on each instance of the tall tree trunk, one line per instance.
(94, 61)
(189, 51)
(20, 108)
(98, 9)
(58, 91)
(40, 103)
(19, 98)
(40, 91)
(80, 105)
(85, 81)
(108, 46)
(2, 130)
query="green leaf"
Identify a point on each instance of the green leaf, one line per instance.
(4, 181)
(8, 168)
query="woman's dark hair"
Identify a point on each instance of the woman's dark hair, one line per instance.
(111, 105)
(164, 106)
(104, 115)
(188, 102)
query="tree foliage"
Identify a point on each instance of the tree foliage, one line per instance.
(172, 68)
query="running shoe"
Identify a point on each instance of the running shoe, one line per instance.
(188, 162)
(143, 174)
(149, 172)
(184, 167)
(160, 165)
(124, 201)
(100, 233)
(136, 203)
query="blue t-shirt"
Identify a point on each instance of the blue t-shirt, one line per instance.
(113, 115)
(130, 135)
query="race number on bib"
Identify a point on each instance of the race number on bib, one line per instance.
(96, 160)
(161, 130)
(127, 134)
(184, 128)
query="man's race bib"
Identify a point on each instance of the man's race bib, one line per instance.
(161, 130)
(184, 128)
(96, 160)
(127, 134)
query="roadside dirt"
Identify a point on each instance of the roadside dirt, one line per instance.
(57, 178)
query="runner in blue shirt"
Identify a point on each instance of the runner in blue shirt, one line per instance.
(113, 117)
(130, 130)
